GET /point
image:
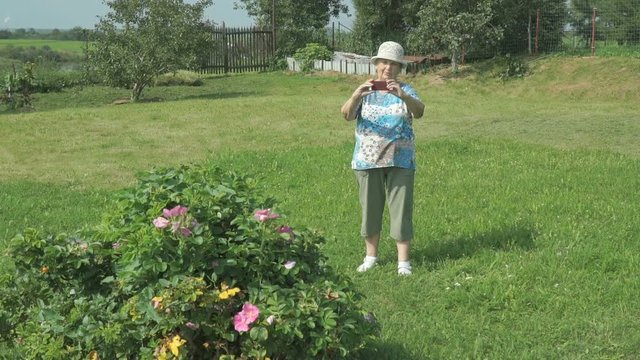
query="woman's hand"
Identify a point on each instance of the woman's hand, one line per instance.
(415, 106)
(350, 107)
(363, 90)
(395, 88)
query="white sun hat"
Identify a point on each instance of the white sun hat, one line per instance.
(390, 50)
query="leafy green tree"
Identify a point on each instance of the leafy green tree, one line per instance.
(297, 22)
(380, 20)
(383, 20)
(141, 39)
(518, 19)
(619, 20)
(455, 27)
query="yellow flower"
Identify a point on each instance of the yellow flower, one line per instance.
(162, 354)
(44, 270)
(175, 344)
(233, 291)
(228, 293)
(93, 355)
(157, 302)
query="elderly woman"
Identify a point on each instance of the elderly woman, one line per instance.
(384, 154)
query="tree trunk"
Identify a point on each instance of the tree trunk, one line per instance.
(454, 61)
(136, 91)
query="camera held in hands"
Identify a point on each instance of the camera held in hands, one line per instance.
(378, 85)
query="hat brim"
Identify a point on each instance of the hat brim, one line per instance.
(401, 62)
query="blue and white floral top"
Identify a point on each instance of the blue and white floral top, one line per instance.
(384, 132)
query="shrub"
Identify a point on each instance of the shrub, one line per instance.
(308, 54)
(18, 87)
(57, 80)
(191, 263)
(181, 77)
(516, 68)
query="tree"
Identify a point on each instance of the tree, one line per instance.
(141, 39)
(619, 20)
(297, 22)
(522, 20)
(455, 27)
(378, 21)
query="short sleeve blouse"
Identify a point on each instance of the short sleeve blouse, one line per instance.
(384, 132)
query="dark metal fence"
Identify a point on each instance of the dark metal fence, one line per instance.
(240, 50)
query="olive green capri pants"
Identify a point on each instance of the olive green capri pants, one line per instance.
(393, 185)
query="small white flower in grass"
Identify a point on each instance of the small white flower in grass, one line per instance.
(289, 264)
(271, 319)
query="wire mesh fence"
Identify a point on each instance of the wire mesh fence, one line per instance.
(580, 27)
(613, 28)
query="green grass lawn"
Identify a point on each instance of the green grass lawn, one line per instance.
(70, 46)
(527, 224)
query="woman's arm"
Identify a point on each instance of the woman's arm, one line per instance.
(350, 108)
(415, 106)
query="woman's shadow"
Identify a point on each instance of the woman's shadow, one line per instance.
(501, 239)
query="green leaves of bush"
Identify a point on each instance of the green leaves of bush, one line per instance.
(191, 263)
(308, 54)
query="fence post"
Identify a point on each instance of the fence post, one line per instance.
(537, 28)
(273, 25)
(225, 50)
(593, 32)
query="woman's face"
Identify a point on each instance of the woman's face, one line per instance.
(387, 69)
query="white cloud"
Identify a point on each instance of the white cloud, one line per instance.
(7, 19)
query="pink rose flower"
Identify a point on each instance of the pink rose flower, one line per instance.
(251, 312)
(246, 317)
(175, 211)
(161, 222)
(264, 215)
(240, 323)
(185, 231)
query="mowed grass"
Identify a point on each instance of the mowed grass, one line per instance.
(527, 224)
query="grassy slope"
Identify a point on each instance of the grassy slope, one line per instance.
(526, 213)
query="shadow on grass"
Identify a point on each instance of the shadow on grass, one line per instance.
(385, 350)
(172, 97)
(217, 96)
(503, 239)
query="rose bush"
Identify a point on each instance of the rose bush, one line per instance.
(192, 263)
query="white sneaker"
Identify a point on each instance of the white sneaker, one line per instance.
(404, 269)
(366, 265)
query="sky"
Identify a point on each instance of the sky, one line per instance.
(66, 14)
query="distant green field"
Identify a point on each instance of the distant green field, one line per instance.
(56, 45)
